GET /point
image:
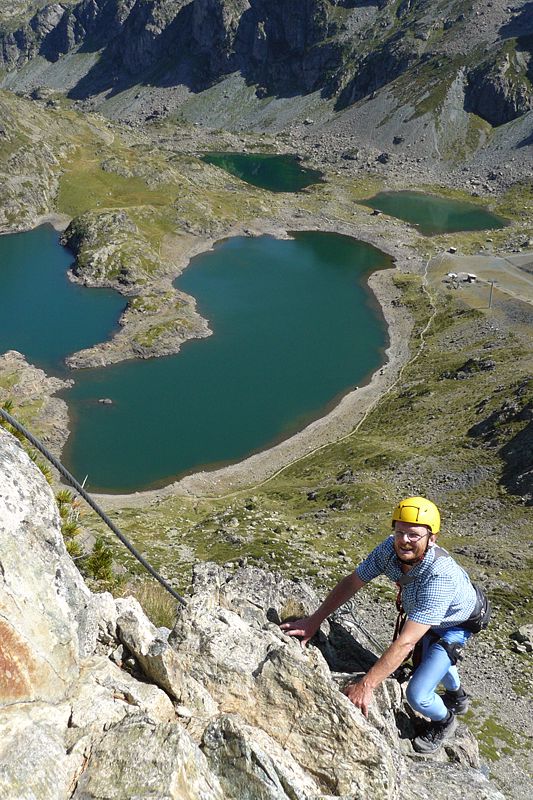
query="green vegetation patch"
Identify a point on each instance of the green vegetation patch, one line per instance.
(495, 740)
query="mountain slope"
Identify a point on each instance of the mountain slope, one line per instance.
(110, 52)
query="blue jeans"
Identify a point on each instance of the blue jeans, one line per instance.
(434, 668)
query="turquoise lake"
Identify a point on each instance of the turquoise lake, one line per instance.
(42, 313)
(294, 328)
(433, 215)
(272, 172)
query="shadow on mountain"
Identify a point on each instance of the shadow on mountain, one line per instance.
(519, 26)
(284, 55)
(376, 70)
(517, 453)
(135, 55)
(526, 142)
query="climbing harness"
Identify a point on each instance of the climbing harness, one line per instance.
(477, 621)
(88, 499)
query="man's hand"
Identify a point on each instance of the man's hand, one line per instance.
(360, 695)
(307, 627)
(304, 628)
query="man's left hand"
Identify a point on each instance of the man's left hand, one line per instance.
(360, 695)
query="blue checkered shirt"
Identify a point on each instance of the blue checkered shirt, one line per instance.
(436, 592)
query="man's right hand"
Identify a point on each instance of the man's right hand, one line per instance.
(304, 628)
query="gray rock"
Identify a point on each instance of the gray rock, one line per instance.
(137, 759)
(160, 663)
(34, 764)
(251, 592)
(105, 694)
(286, 692)
(524, 636)
(42, 594)
(97, 624)
(249, 763)
(446, 782)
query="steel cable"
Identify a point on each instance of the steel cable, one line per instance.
(88, 499)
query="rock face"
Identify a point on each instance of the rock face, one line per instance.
(41, 594)
(228, 707)
(277, 43)
(500, 91)
(512, 424)
(346, 50)
(30, 165)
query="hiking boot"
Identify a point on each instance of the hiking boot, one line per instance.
(457, 702)
(435, 735)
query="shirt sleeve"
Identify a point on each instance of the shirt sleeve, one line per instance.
(433, 600)
(374, 563)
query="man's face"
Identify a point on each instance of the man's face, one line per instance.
(411, 541)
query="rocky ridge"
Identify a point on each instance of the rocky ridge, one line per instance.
(31, 151)
(103, 52)
(103, 704)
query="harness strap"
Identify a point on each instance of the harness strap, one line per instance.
(454, 650)
(415, 656)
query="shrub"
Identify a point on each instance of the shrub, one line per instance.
(158, 605)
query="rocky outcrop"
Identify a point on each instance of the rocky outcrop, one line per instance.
(29, 165)
(56, 29)
(376, 69)
(111, 251)
(240, 710)
(500, 90)
(32, 393)
(504, 428)
(45, 603)
(517, 454)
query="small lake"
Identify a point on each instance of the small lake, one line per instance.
(272, 172)
(295, 328)
(42, 313)
(433, 215)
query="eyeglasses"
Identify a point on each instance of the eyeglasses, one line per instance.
(411, 537)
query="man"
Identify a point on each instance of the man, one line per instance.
(437, 597)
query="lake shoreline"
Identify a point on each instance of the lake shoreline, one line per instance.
(334, 425)
(395, 240)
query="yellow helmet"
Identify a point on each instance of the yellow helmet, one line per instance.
(418, 511)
